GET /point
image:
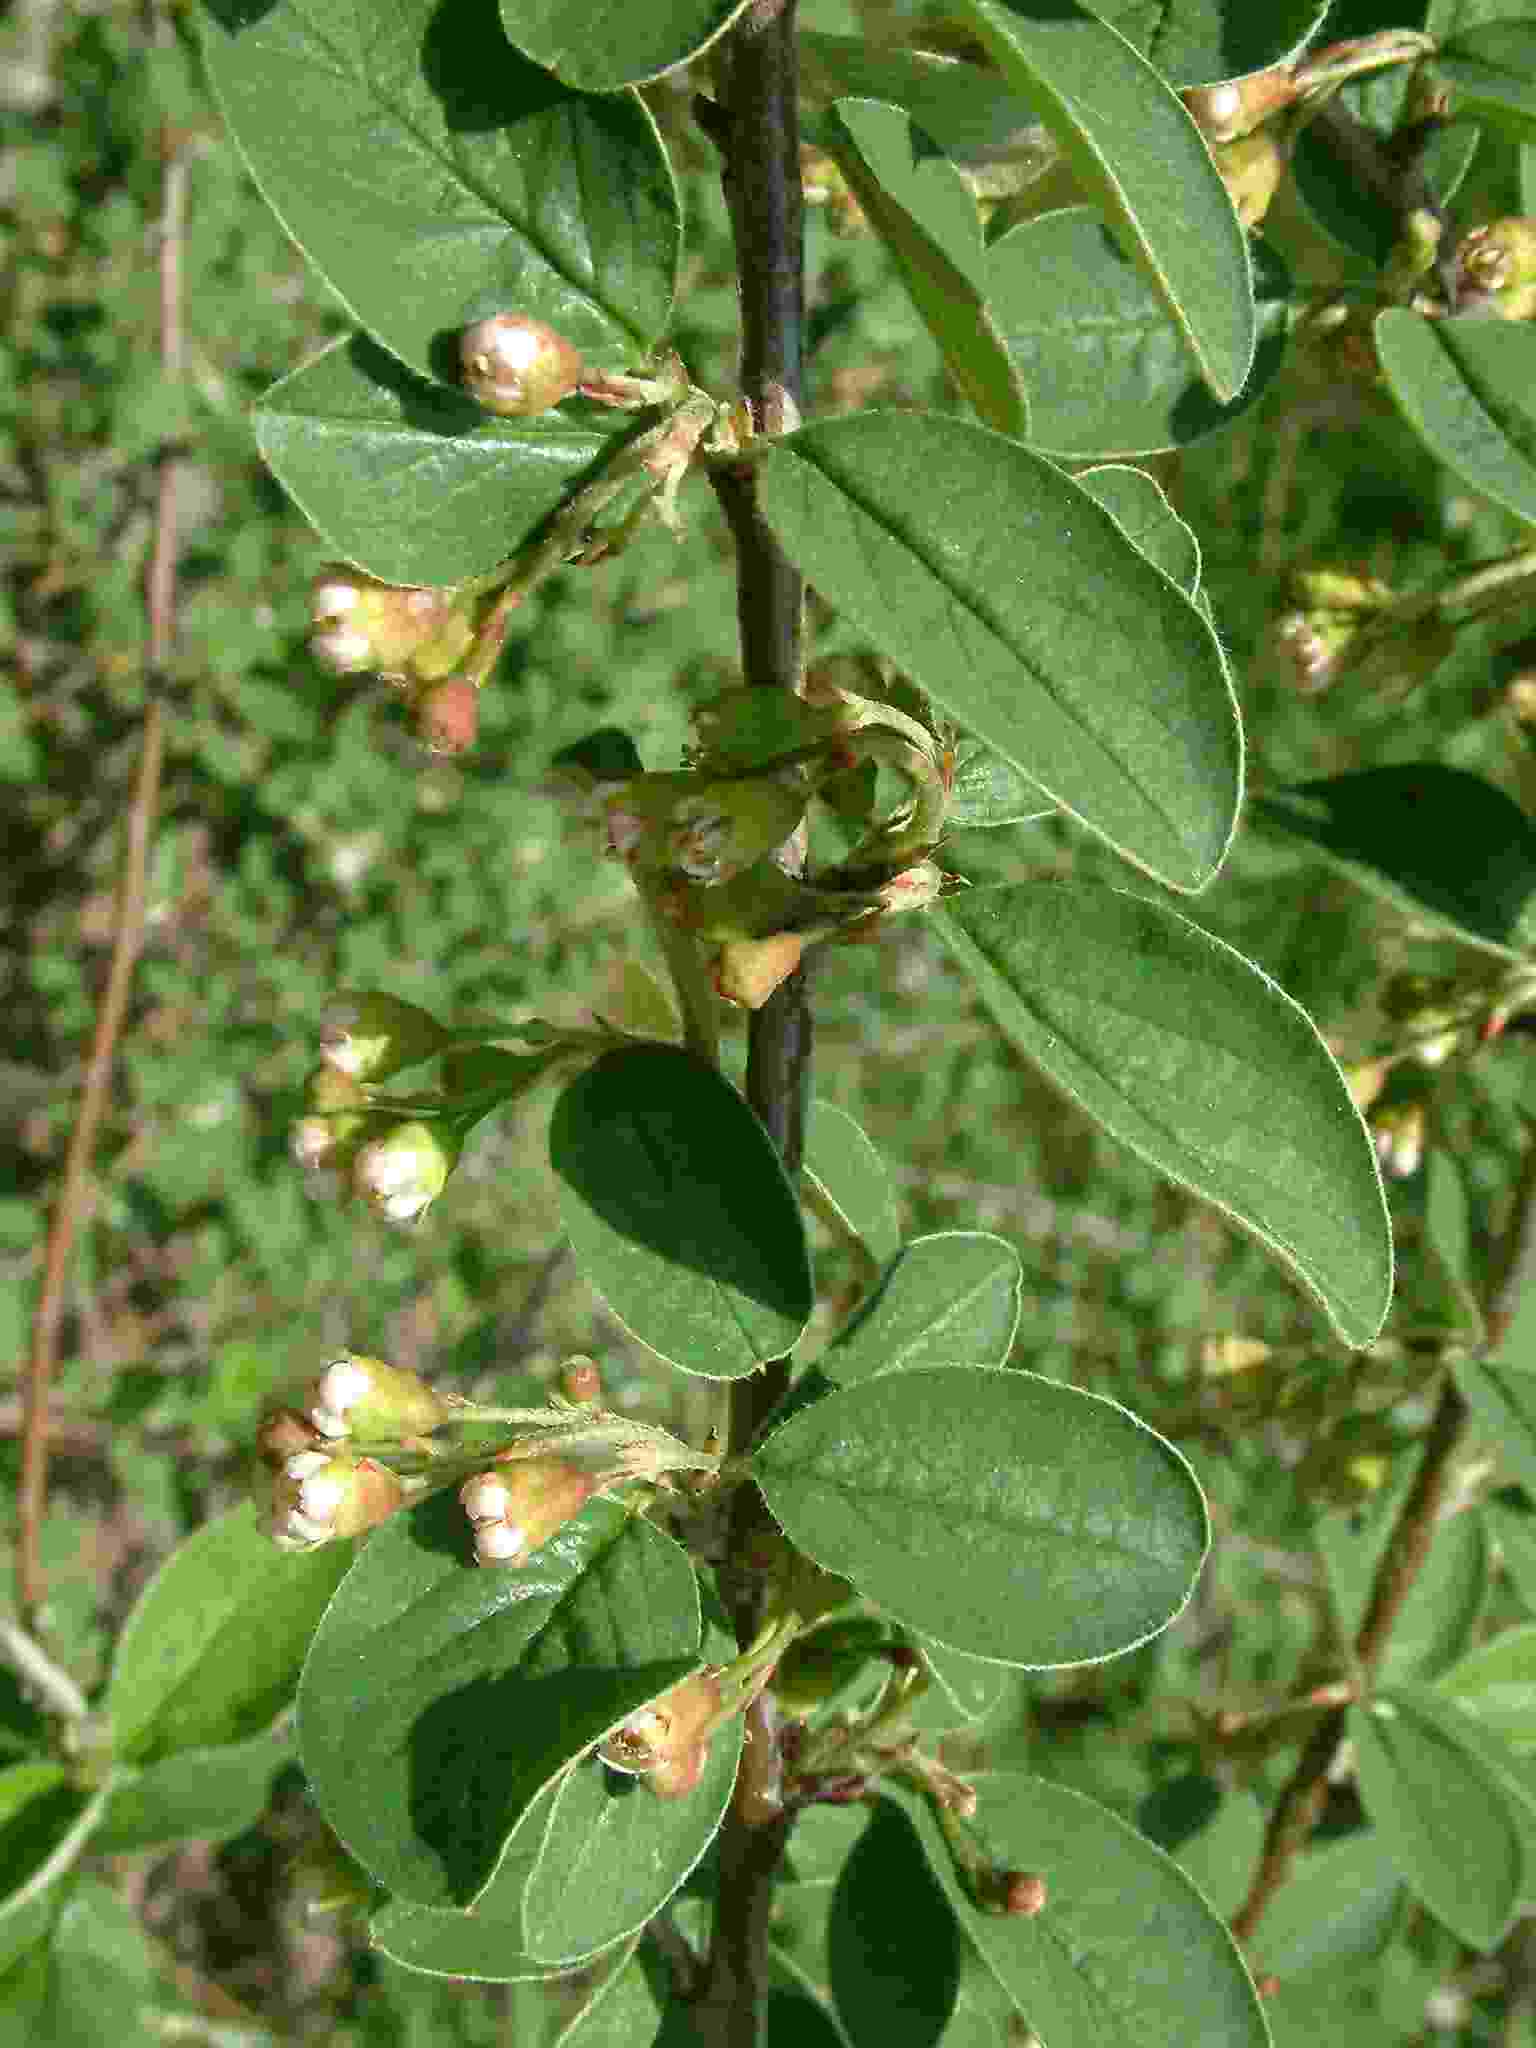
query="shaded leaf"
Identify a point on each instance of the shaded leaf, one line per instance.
(1424, 836)
(613, 43)
(1466, 388)
(1195, 42)
(211, 1653)
(1004, 1515)
(91, 1986)
(621, 2012)
(970, 112)
(1337, 1910)
(1105, 367)
(679, 1211)
(1189, 1055)
(949, 1299)
(893, 1943)
(1491, 68)
(1135, 148)
(988, 791)
(1504, 1404)
(849, 1173)
(196, 1795)
(473, 182)
(439, 1700)
(1010, 596)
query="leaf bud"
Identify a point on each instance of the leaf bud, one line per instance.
(516, 367)
(516, 1508)
(368, 1035)
(358, 1396)
(1496, 270)
(358, 624)
(321, 1495)
(667, 1743)
(448, 716)
(402, 1173)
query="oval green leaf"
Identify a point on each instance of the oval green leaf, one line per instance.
(1497, 1684)
(1199, 1063)
(1004, 1515)
(679, 1211)
(1467, 387)
(1125, 1952)
(1018, 604)
(211, 1653)
(433, 176)
(849, 1174)
(439, 1700)
(1137, 150)
(605, 44)
(949, 1299)
(1448, 1824)
(409, 481)
(1196, 42)
(1105, 368)
(1136, 503)
(1427, 838)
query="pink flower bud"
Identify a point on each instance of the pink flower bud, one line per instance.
(517, 367)
(399, 630)
(370, 1035)
(358, 1396)
(448, 716)
(749, 970)
(335, 1125)
(667, 1743)
(580, 1380)
(318, 1496)
(516, 1508)
(402, 1173)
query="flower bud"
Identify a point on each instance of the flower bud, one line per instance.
(1496, 270)
(1251, 168)
(1239, 105)
(402, 1173)
(517, 367)
(336, 1123)
(283, 1434)
(448, 716)
(321, 1495)
(1398, 1132)
(358, 1396)
(580, 1380)
(367, 1036)
(1023, 1893)
(516, 1508)
(749, 970)
(360, 624)
(667, 1743)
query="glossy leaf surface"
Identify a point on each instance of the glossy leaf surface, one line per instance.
(1139, 154)
(1189, 1055)
(613, 43)
(1001, 1514)
(1466, 388)
(439, 1699)
(949, 1299)
(473, 182)
(1445, 1821)
(412, 482)
(679, 1211)
(212, 1651)
(1092, 1969)
(1018, 604)
(1105, 367)
(1427, 837)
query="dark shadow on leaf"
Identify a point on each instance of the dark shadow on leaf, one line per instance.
(235, 15)
(423, 406)
(481, 81)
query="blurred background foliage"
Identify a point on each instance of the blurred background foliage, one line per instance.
(306, 844)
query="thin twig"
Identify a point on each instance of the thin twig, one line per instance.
(32, 1664)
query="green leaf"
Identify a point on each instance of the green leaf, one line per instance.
(606, 44)
(212, 1651)
(973, 116)
(1515, 1533)
(93, 1985)
(893, 1943)
(1197, 42)
(1337, 1910)
(486, 1944)
(1136, 503)
(964, 1689)
(433, 177)
(1466, 388)
(1504, 1404)
(1445, 1821)
(1125, 1952)
(613, 1853)
(1497, 1683)
(679, 1211)
(1003, 1515)
(621, 2013)
(44, 1820)
(1190, 1056)
(949, 1299)
(196, 1795)
(438, 1699)
(1425, 837)
(983, 2016)
(1492, 69)
(1105, 368)
(1136, 149)
(849, 1173)
(988, 791)
(1448, 1231)
(1219, 1858)
(922, 210)
(411, 482)
(1017, 603)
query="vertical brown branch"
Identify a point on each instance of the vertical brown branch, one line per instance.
(757, 129)
(72, 1201)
